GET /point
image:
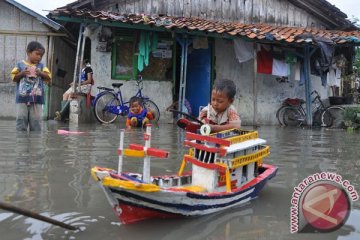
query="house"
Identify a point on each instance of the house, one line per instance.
(196, 42)
(20, 25)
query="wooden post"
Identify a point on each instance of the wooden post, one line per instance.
(146, 169)
(255, 87)
(121, 151)
(307, 85)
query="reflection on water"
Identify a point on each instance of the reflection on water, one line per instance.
(50, 174)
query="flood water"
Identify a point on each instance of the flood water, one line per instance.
(50, 174)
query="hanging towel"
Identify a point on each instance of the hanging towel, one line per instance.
(147, 44)
(264, 61)
(280, 68)
(244, 51)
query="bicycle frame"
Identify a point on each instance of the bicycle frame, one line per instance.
(123, 107)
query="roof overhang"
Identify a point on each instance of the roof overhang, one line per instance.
(208, 28)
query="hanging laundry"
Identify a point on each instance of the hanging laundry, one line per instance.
(200, 43)
(244, 51)
(147, 44)
(338, 77)
(280, 68)
(264, 61)
(331, 75)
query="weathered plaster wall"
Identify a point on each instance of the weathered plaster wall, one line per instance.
(158, 91)
(270, 93)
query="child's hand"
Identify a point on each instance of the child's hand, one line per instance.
(25, 72)
(39, 73)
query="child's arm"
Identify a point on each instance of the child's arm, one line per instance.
(203, 115)
(230, 125)
(150, 115)
(234, 122)
(88, 79)
(128, 123)
(44, 74)
(16, 74)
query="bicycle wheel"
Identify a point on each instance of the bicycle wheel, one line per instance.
(280, 115)
(292, 117)
(102, 106)
(333, 116)
(151, 106)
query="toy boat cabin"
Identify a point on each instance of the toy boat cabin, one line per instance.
(227, 159)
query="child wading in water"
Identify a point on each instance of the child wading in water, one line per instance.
(220, 114)
(30, 76)
(138, 116)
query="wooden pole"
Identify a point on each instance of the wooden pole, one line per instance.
(121, 148)
(37, 216)
(146, 169)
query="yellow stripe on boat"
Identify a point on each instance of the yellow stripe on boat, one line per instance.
(255, 157)
(193, 188)
(133, 153)
(130, 185)
(243, 138)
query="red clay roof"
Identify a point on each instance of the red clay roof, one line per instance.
(252, 31)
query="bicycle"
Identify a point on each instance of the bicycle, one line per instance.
(292, 113)
(109, 104)
(333, 116)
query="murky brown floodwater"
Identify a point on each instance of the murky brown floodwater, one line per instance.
(50, 174)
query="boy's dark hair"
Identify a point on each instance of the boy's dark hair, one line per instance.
(226, 86)
(135, 99)
(33, 46)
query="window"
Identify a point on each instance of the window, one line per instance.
(125, 58)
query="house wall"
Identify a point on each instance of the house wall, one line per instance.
(269, 93)
(17, 29)
(277, 12)
(158, 91)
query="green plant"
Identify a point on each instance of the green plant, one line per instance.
(352, 117)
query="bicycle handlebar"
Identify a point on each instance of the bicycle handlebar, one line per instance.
(314, 92)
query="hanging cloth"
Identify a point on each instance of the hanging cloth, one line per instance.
(147, 44)
(264, 61)
(280, 68)
(244, 51)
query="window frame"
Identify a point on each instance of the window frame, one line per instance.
(125, 38)
(132, 37)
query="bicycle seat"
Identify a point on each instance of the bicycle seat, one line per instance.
(105, 88)
(117, 85)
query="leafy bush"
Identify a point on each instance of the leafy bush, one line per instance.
(352, 117)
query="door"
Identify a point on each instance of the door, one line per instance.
(198, 82)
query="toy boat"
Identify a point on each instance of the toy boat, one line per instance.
(227, 170)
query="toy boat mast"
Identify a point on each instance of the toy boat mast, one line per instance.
(136, 150)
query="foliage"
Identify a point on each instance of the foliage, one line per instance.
(352, 117)
(356, 64)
